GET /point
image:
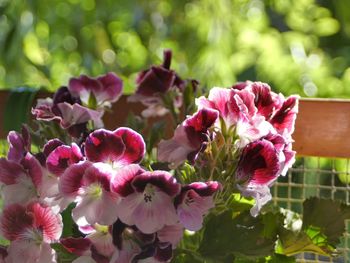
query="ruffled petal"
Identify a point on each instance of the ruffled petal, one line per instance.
(78, 246)
(151, 217)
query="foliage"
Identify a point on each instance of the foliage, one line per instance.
(298, 46)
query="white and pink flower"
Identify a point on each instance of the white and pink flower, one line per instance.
(30, 229)
(89, 185)
(150, 204)
(194, 201)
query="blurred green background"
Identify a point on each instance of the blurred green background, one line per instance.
(298, 46)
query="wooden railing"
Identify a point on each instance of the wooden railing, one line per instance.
(322, 126)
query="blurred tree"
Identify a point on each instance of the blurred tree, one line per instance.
(298, 46)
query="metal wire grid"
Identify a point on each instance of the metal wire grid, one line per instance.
(320, 177)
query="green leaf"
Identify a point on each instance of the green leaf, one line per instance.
(242, 235)
(17, 108)
(238, 203)
(156, 133)
(62, 254)
(292, 243)
(328, 216)
(70, 229)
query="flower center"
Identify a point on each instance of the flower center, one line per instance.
(94, 190)
(148, 193)
(101, 228)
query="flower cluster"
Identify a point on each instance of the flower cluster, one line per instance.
(117, 206)
(124, 212)
(256, 125)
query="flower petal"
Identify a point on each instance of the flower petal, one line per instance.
(71, 180)
(47, 221)
(284, 118)
(104, 146)
(61, 157)
(121, 183)
(161, 179)
(171, 234)
(15, 221)
(112, 88)
(10, 171)
(259, 163)
(134, 145)
(77, 114)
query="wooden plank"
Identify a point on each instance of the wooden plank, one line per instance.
(322, 126)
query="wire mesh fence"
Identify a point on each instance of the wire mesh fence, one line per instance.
(316, 177)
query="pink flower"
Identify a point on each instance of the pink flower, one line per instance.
(150, 205)
(22, 181)
(280, 112)
(171, 234)
(89, 184)
(189, 139)
(238, 112)
(96, 92)
(30, 229)
(194, 202)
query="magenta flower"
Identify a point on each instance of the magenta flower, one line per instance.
(30, 229)
(101, 90)
(19, 144)
(150, 206)
(283, 120)
(120, 147)
(189, 139)
(154, 83)
(194, 202)
(260, 164)
(67, 110)
(62, 157)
